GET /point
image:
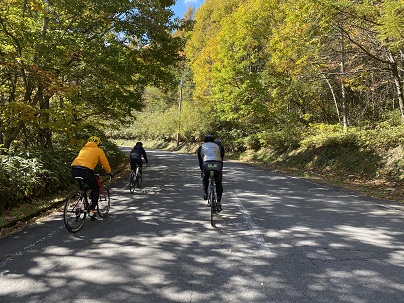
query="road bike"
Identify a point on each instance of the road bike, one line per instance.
(77, 205)
(135, 180)
(212, 197)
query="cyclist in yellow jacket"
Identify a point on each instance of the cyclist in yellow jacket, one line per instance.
(84, 164)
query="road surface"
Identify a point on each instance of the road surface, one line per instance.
(278, 239)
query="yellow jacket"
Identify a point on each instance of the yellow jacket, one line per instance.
(89, 156)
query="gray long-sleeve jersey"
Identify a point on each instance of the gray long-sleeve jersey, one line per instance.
(209, 151)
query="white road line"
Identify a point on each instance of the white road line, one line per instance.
(30, 246)
(259, 240)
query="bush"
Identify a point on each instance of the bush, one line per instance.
(280, 140)
(25, 175)
(383, 137)
(32, 174)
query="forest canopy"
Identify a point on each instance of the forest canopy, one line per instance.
(262, 73)
(65, 65)
(264, 63)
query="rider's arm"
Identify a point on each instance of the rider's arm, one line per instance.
(200, 157)
(145, 156)
(104, 162)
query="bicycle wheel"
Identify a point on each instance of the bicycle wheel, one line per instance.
(132, 183)
(74, 213)
(211, 200)
(104, 202)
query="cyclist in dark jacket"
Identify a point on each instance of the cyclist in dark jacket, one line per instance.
(219, 143)
(210, 157)
(136, 155)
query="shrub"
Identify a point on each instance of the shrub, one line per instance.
(280, 140)
(25, 175)
(328, 135)
(32, 174)
(383, 137)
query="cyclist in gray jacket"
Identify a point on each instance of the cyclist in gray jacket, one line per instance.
(210, 157)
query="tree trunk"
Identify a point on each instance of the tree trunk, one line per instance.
(397, 82)
(334, 97)
(343, 93)
(44, 132)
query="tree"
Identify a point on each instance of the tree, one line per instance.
(273, 65)
(66, 61)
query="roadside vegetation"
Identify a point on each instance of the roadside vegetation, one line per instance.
(36, 180)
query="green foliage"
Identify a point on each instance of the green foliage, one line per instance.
(382, 137)
(253, 61)
(34, 173)
(281, 140)
(65, 61)
(391, 23)
(327, 135)
(164, 125)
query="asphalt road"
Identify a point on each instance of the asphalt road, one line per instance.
(278, 239)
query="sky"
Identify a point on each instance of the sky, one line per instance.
(181, 6)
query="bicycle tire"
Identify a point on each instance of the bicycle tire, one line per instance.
(211, 200)
(74, 212)
(104, 202)
(132, 183)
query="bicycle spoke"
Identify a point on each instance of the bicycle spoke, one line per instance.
(132, 182)
(104, 202)
(74, 213)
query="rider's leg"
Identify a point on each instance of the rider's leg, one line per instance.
(205, 183)
(219, 186)
(89, 178)
(132, 164)
(140, 164)
(95, 193)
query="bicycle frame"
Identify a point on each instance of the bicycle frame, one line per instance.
(212, 196)
(77, 206)
(83, 191)
(135, 179)
(84, 188)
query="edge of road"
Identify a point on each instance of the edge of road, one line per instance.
(52, 204)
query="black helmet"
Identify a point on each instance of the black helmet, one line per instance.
(138, 144)
(208, 138)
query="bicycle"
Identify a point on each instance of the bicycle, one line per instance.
(77, 206)
(212, 197)
(135, 179)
